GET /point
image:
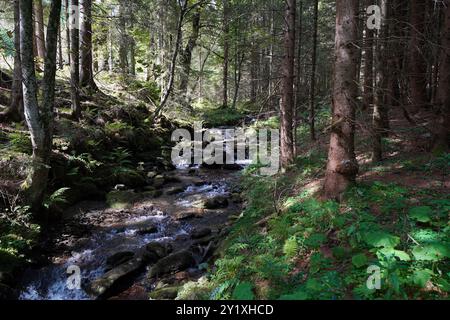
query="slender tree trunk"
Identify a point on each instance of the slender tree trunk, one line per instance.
(379, 106)
(67, 8)
(368, 86)
(39, 28)
(15, 110)
(75, 63)
(237, 77)
(226, 30)
(342, 166)
(39, 120)
(417, 65)
(168, 90)
(86, 56)
(298, 79)
(287, 102)
(312, 97)
(60, 51)
(186, 55)
(443, 91)
(123, 37)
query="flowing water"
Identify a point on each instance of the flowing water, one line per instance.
(119, 235)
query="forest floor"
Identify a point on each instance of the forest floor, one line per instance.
(394, 220)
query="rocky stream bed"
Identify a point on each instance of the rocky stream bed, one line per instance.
(138, 244)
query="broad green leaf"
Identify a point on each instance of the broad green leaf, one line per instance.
(380, 239)
(431, 252)
(391, 252)
(421, 277)
(359, 260)
(421, 214)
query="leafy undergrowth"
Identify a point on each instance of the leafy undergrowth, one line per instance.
(297, 247)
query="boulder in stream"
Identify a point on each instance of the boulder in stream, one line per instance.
(155, 251)
(118, 258)
(218, 202)
(105, 286)
(175, 262)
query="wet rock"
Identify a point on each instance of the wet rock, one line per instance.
(204, 241)
(172, 179)
(175, 262)
(232, 167)
(201, 233)
(219, 202)
(159, 181)
(135, 293)
(148, 230)
(118, 259)
(169, 293)
(152, 174)
(175, 190)
(185, 215)
(198, 182)
(152, 194)
(106, 284)
(121, 199)
(155, 251)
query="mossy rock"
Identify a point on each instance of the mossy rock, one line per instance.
(121, 199)
(131, 179)
(169, 293)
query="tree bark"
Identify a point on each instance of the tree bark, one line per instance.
(15, 109)
(75, 64)
(312, 105)
(368, 86)
(226, 31)
(186, 55)
(342, 166)
(379, 105)
(39, 120)
(441, 143)
(39, 28)
(287, 102)
(86, 57)
(67, 8)
(417, 65)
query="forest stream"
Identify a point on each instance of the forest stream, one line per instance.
(114, 249)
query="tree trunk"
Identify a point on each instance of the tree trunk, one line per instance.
(186, 55)
(123, 37)
(75, 63)
(417, 65)
(312, 105)
(67, 7)
(443, 92)
(226, 30)
(379, 105)
(287, 102)
(342, 166)
(86, 57)
(60, 50)
(368, 67)
(39, 28)
(39, 121)
(168, 90)
(15, 110)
